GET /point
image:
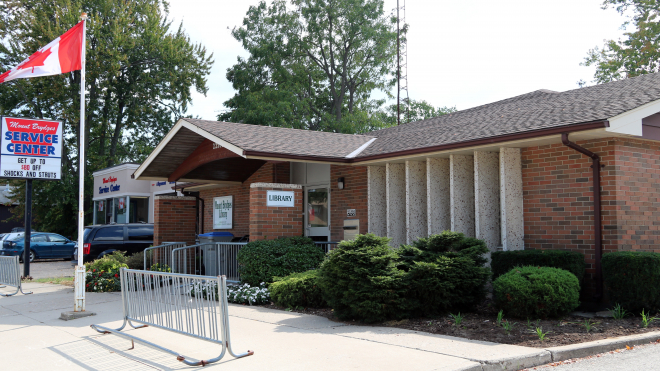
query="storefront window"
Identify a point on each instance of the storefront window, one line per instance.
(120, 210)
(103, 211)
(139, 209)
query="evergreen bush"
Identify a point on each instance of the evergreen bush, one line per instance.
(260, 261)
(297, 290)
(503, 261)
(537, 292)
(444, 272)
(632, 279)
(359, 279)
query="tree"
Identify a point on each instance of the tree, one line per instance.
(140, 72)
(313, 65)
(415, 111)
(638, 53)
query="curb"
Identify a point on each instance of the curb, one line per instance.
(564, 352)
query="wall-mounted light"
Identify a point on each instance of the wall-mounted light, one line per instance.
(340, 183)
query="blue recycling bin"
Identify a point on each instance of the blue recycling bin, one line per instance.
(216, 237)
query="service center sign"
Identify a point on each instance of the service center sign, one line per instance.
(31, 149)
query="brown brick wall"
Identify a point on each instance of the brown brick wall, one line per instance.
(353, 196)
(270, 172)
(174, 219)
(558, 198)
(274, 222)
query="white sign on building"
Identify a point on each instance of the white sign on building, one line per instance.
(31, 149)
(280, 199)
(223, 208)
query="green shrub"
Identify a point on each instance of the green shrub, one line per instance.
(136, 261)
(633, 279)
(503, 261)
(297, 290)
(260, 261)
(359, 279)
(537, 292)
(444, 272)
(103, 274)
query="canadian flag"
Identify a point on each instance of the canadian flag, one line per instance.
(62, 55)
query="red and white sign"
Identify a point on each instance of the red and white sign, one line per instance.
(121, 203)
(109, 180)
(61, 55)
(30, 149)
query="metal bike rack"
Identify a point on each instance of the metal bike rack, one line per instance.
(10, 274)
(208, 259)
(194, 306)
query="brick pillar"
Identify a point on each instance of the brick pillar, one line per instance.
(274, 222)
(174, 219)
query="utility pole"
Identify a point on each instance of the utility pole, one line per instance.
(401, 54)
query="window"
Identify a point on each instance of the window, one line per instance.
(120, 210)
(141, 233)
(139, 209)
(110, 234)
(56, 238)
(39, 238)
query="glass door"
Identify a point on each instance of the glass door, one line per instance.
(317, 212)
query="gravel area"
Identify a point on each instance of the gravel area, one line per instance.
(50, 269)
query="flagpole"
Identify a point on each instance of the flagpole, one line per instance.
(79, 305)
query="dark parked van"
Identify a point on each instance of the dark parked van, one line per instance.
(100, 240)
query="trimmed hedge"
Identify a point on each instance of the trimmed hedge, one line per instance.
(260, 261)
(297, 290)
(537, 292)
(503, 261)
(633, 279)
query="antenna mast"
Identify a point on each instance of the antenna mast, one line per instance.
(401, 63)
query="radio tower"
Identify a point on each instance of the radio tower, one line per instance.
(401, 63)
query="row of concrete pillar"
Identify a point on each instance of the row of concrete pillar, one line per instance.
(479, 195)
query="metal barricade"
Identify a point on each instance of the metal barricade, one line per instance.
(10, 274)
(194, 306)
(160, 255)
(209, 259)
(326, 245)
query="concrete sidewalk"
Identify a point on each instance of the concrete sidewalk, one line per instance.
(32, 337)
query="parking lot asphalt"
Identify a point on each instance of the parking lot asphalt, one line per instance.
(50, 269)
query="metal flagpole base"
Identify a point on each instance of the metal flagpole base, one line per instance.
(79, 283)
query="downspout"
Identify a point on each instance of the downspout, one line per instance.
(598, 241)
(199, 227)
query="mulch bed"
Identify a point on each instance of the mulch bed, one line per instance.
(481, 325)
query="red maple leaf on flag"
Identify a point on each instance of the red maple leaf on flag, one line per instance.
(37, 59)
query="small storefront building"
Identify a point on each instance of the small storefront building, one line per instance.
(120, 199)
(573, 170)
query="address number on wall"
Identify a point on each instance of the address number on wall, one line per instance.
(350, 212)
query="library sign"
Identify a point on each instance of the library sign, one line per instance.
(31, 149)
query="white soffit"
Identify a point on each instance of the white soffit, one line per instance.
(182, 123)
(630, 123)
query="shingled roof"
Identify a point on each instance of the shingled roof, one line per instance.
(284, 141)
(535, 111)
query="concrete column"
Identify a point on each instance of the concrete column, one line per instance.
(395, 184)
(461, 186)
(437, 195)
(376, 200)
(511, 199)
(487, 198)
(416, 224)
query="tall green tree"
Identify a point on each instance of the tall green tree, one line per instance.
(140, 72)
(313, 64)
(638, 52)
(413, 111)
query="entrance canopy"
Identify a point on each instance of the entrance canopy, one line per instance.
(228, 153)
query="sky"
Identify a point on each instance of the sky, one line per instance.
(460, 53)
